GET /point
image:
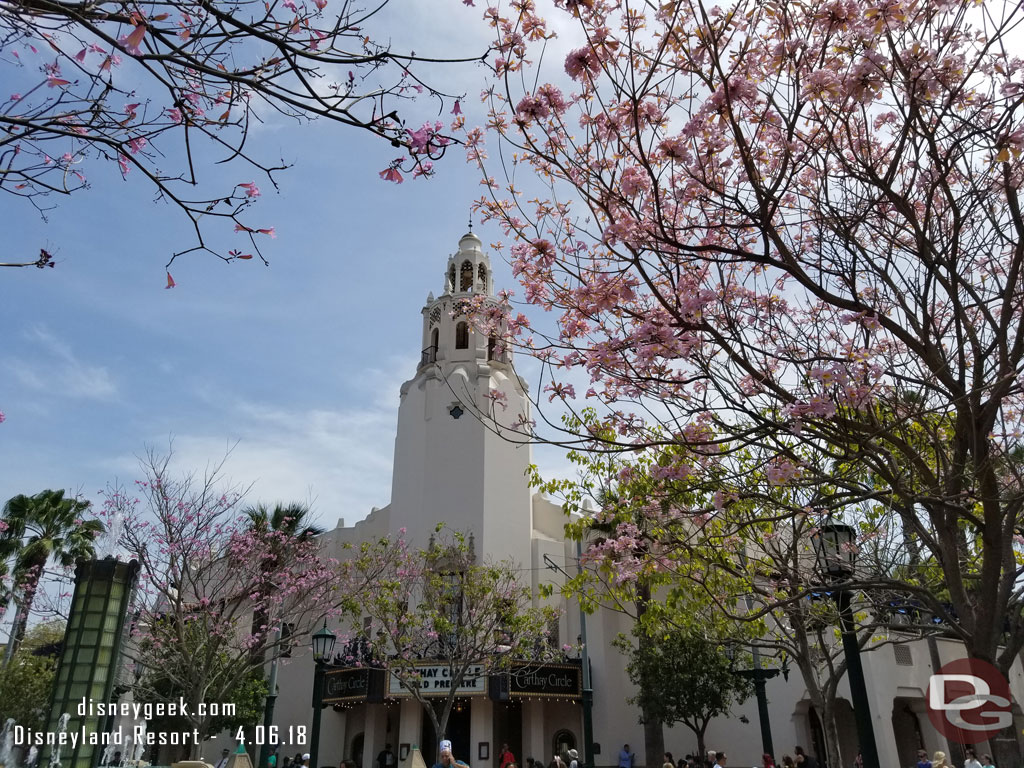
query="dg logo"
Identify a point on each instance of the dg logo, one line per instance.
(969, 701)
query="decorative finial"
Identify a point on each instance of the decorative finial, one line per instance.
(471, 220)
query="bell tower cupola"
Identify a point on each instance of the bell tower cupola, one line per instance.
(449, 334)
(463, 443)
(469, 269)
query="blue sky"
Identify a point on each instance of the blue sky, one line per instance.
(297, 365)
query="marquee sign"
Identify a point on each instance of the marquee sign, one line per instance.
(436, 680)
(563, 681)
(352, 684)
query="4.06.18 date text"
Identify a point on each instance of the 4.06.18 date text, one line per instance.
(274, 736)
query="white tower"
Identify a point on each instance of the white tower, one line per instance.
(460, 459)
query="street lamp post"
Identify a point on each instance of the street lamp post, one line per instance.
(760, 676)
(268, 706)
(588, 691)
(837, 559)
(323, 649)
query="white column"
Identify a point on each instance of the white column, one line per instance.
(534, 743)
(481, 729)
(410, 726)
(374, 734)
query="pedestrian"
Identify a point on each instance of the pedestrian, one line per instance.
(272, 758)
(787, 761)
(626, 757)
(223, 762)
(446, 759)
(386, 758)
(668, 761)
(767, 761)
(720, 760)
(305, 760)
(972, 760)
(297, 762)
(922, 759)
(987, 761)
(803, 760)
(574, 759)
(531, 763)
(505, 757)
(939, 760)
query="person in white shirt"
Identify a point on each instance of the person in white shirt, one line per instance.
(720, 759)
(972, 760)
(224, 755)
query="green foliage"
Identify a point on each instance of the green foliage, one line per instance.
(26, 683)
(163, 680)
(682, 677)
(440, 605)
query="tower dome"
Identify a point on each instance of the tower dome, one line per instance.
(469, 268)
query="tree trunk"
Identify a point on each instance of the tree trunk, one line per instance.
(830, 734)
(954, 749)
(28, 596)
(654, 743)
(1006, 748)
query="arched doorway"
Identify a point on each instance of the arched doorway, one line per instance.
(563, 741)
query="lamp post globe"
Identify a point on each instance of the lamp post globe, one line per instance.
(835, 550)
(323, 651)
(323, 643)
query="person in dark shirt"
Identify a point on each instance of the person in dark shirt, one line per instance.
(803, 760)
(386, 758)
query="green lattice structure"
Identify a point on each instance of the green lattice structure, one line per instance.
(92, 645)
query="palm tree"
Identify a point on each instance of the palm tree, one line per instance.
(288, 519)
(40, 528)
(290, 522)
(278, 527)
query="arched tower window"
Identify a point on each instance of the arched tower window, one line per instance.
(466, 276)
(451, 278)
(462, 335)
(482, 277)
(434, 337)
(491, 344)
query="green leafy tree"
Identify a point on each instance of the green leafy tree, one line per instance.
(41, 528)
(26, 683)
(440, 604)
(683, 677)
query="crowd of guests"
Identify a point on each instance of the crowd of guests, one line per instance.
(627, 759)
(938, 760)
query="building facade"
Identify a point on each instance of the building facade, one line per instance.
(455, 468)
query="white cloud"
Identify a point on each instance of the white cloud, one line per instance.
(338, 460)
(58, 371)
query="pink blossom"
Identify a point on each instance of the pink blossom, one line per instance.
(132, 41)
(392, 174)
(581, 62)
(251, 190)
